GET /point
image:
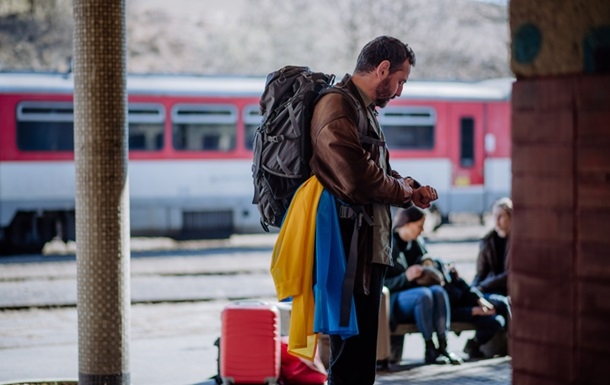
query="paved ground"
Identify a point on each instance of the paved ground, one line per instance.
(178, 292)
(495, 371)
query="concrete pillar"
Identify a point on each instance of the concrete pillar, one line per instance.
(102, 193)
(560, 272)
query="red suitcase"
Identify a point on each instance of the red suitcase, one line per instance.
(250, 346)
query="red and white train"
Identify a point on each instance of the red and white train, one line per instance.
(190, 158)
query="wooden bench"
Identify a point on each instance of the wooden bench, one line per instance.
(409, 328)
(385, 335)
(497, 346)
(456, 327)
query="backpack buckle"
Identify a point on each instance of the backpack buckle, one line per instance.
(358, 215)
(275, 138)
(346, 212)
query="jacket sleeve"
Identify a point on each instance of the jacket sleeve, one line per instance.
(396, 279)
(341, 163)
(405, 204)
(397, 282)
(493, 282)
(483, 267)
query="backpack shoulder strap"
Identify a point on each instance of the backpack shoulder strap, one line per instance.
(363, 124)
(363, 120)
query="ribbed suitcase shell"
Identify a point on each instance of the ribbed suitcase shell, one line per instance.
(250, 344)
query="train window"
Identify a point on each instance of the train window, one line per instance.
(204, 127)
(252, 119)
(146, 123)
(49, 126)
(45, 126)
(467, 142)
(408, 128)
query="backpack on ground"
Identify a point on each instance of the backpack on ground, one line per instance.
(282, 146)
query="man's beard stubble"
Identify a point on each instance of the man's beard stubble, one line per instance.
(383, 94)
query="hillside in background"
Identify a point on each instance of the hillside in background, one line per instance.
(452, 39)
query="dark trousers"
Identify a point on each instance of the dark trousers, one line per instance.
(353, 360)
(486, 325)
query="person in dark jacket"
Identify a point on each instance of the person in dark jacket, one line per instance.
(468, 304)
(493, 261)
(358, 174)
(412, 300)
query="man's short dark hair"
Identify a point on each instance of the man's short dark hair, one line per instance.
(384, 48)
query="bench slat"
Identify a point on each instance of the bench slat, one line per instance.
(456, 327)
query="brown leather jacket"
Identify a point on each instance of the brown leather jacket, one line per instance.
(356, 175)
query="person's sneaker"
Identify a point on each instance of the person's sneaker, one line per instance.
(436, 359)
(472, 349)
(453, 358)
(431, 355)
(383, 365)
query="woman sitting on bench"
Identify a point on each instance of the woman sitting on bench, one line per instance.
(416, 296)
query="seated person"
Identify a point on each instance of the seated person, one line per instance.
(494, 259)
(468, 305)
(410, 301)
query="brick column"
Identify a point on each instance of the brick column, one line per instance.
(560, 271)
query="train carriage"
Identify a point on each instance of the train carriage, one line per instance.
(190, 152)
(454, 136)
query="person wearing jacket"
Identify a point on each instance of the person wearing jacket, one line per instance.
(357, 172)
(410, 298)
(468, 305)
(493, 261)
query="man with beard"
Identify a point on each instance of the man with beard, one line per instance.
(355, 169)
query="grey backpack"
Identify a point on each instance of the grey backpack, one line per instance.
(282, 147)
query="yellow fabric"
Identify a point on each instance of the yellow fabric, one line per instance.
(292, 266)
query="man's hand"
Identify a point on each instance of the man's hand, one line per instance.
(423, 197)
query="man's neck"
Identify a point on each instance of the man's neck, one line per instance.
(364, 83)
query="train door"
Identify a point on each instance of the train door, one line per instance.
(466, 132)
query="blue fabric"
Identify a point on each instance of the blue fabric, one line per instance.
(329, 272)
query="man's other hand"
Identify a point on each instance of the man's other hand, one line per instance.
(424, 196)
